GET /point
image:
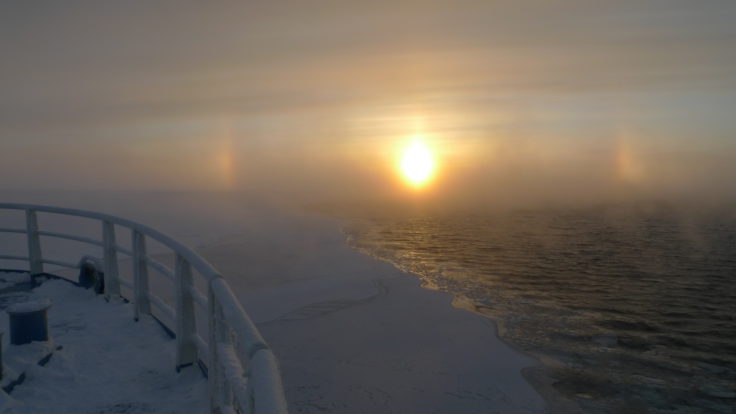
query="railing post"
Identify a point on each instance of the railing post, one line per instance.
(112, 285)
(142, 303)
(217, 388)
(35, 259)
(186, 349)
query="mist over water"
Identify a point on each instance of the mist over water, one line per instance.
(630, 307)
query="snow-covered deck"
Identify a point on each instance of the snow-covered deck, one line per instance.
(352, 334)
(242, 371)
(102, 362)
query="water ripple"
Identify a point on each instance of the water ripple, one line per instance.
(626, 310)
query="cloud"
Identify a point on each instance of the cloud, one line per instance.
(303, 85)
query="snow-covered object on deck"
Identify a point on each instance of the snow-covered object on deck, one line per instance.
(230, 326)
(30, 306)
(101, 361)
(28, 321)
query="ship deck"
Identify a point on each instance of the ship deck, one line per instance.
(97, 360)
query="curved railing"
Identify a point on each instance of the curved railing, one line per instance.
(234, 385)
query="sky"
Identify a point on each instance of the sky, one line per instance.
(517, 101)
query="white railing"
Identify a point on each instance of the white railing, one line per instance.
(242, 372)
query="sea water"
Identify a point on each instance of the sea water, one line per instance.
(629, 309)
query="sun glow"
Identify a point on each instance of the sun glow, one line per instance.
(417, 164)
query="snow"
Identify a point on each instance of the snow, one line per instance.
(352, 334)
(107, 362)
(30, 306)
(9, 279)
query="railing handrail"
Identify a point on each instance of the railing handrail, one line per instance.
(204, 267)
(227, 319)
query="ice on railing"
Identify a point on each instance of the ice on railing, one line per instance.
(232, 369)
(229, 315)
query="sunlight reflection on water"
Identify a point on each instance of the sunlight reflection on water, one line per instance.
(631, 310)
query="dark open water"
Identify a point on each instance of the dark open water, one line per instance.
(629, 309)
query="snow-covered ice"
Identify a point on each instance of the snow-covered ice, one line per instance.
(356, 335)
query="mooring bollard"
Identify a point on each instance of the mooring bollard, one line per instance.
(90, 276)
(28, 321)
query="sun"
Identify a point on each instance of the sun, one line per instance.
(417, 164)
